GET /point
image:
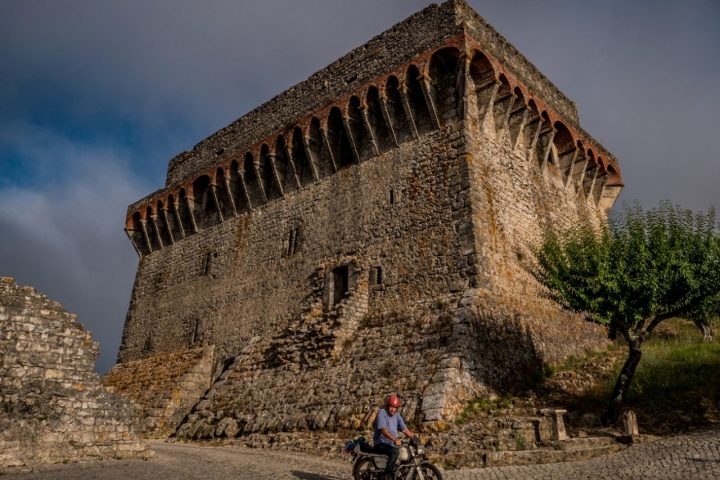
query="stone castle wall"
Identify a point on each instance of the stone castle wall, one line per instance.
(381, 246)
(52, 405)
(165, 386)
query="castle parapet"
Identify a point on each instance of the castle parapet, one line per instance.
(396, 107)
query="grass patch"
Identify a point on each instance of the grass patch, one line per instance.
(676, 384)
(480, 407)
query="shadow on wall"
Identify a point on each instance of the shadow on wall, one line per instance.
(504, 350)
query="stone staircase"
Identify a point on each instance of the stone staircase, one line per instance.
(517, 440)
(571, 449)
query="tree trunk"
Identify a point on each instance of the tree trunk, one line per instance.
(617, 399)
(706, 330)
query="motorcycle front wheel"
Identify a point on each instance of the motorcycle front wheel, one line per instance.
(430, 471)
(363, 469)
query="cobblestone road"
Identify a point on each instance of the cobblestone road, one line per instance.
(694, 456)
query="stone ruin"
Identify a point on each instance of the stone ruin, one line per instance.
(364, 232)
(53, 407)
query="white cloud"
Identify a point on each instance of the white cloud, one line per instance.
(65, 236)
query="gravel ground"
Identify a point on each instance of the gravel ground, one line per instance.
(691, 456)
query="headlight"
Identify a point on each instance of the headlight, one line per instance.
(421, 451)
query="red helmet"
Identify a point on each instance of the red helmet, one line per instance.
(393, 401)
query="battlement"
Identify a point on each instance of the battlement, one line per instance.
(355, 109)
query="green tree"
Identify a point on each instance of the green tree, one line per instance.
(639, 269)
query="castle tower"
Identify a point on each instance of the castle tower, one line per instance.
(368, 231)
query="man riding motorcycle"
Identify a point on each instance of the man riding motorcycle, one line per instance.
(387, 425)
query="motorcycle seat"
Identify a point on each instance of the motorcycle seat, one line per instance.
(370, 450)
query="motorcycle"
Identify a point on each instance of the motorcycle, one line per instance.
(411, 463)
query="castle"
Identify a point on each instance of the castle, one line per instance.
(366, 231)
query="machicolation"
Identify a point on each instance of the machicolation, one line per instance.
(364, 232)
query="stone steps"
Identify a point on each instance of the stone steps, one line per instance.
(569, 453)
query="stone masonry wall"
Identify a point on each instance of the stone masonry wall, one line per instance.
(254, 288)
(166, 387)
(52, 405)
(403, 267)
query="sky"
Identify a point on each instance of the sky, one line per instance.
(97, 96)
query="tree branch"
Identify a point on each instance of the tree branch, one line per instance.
(656, 321)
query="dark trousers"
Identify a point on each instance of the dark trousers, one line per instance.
(392, 452)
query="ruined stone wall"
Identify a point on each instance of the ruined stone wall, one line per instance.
(52, 405)
(166, 387)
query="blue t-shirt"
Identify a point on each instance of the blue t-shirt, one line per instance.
(394, 424)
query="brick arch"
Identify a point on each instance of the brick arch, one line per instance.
(301, 156)
(446, 89)
(396, 110)
(174, 222)
(319, 148)
(151, 228)
(266, 170)
(564, 144)
(338, 139)
(518, 117)
(204, 207)
(504, 98)
(359, 134)
(285, 168)
(185, 210)
(237, 187)
(223, 194)
(419, 108)
(161, 222)
(484, 80)
(383, 133)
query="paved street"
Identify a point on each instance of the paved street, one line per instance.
(694, 456)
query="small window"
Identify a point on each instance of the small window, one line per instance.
(391, 196)
(341, 277)
(209, 266)
(293, 241)
(376, 276)
(197, 332)
(149, 345)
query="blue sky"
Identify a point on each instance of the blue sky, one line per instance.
(96, 97)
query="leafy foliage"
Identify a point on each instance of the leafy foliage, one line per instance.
(640, 268)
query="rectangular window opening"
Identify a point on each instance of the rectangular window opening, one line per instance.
(376, 276)
(293, 241)
(341, 277)
(210, 263)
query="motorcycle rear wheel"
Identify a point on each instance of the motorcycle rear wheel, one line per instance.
(363, 469)
(430, 471)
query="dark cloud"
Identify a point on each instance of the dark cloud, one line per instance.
(97, 96)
